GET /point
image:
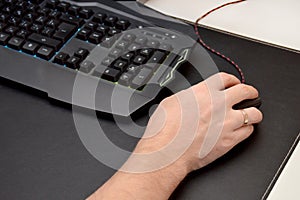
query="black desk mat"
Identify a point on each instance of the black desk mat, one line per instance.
(43, 158)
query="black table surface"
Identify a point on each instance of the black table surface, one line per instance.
(42, 156)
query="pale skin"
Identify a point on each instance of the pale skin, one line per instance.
(159, 184)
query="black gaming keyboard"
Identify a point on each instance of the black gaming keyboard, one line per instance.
(87, 54)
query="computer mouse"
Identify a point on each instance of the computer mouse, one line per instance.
(248, 103)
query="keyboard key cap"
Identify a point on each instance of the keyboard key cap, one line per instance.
(81, 53)
(152, 43)
(52, 23)
(134, 47)
(36, 28)
(25, 25)
(113, 32)
(107, 61)
(122, 24)
(73, 62)
(129, 37)
(111, 74)
(4, 37)
(30, 48)
(108, 42)
(99, 17)
(110, 20)
(133, 69)
(157, 57)
(74, 10)
(141, 40)
(122, 45)
(15, 43)
(43, 11)
(22, 34)
(95, 38)
(115, 53)
(48, 32)
(139, 60)
(86, 13)
(128, 56)
(61, 58)
(91, 26)
(146, 52)
(41, 20)
(52, 3)
(43, 40)
(102, 29)
(84, 34)
(125, 79)
(72, 20)
(141, 78)
(63, 6)
(86, 66)
(45, 52)
(64, 32)
(11, 30)
(54, 14)
(120, 65)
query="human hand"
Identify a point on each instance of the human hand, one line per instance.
(196, 126)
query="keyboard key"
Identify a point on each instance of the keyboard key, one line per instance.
(122, 45)
(54, 14)
(134, 47)
(2, 26)
(30, 48)
(11, 30)
(30, 17)
(84, 34)
(74, 10)
(91, 26)
(113, 32)
(72, 20)
(15, 43)
(146, 52)
(102, 29)
(157, 57)
(61, 58)
(141, 78)
(99, 17)
(22, 34)
(122, 24)
(81, 53)
(141, 40)
(41, 20)
(139, 60)
(63, 6)
(129, 37)
(128, 56)
(125, 79)
(73, 62)
(111, 74)
(95, 38)
(48, 32)
(43, 40)
(86, 66)
(52, 3)
(14, 21)
(36, 28)
(152, 43)
(108, 42)
(52, 23)
(107, 61)
(4, 37)
(120, 65)
(86, 13)
(110, 20)
(64, 32)
(25, 25)
(45, 52)
(133, 69)
(115, 53)
(43, 11)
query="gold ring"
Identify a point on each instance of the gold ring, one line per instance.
(245, 115)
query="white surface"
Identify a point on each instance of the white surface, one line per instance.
(275, 22)
(288, 184)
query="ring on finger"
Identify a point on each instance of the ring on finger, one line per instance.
(246, 117)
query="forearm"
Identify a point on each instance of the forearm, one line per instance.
(157, 185)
